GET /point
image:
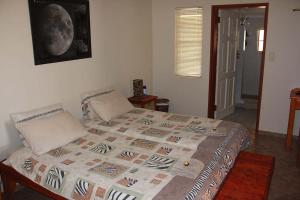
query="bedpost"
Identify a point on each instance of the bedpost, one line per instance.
(9, 186)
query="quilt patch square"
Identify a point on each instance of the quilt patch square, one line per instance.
(156, 132)
(78, 153)
(58, 152)
(122, 129)
(195, 127)
(42, 168)
(83, 190)
(108, 169)
(96, 131)
(174, 139)
(85, 147)
(67, 162)
(91, 143)
(144, 157)
(127, 182)
(122, 194)
(101, 148)
(111, 139)
(138, 161)
(96, 160)
(89, 164)
(38, 178)
(55, 179)
(161, 176)
(129, 138)
(100, 192)
(145, 121)
(167, 125)
(179, 118)
(164, 150)
(159, 162)
(29, 165)
(155, 181)
(142, 143)
(127, 155)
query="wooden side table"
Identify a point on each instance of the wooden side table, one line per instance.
(146, 101)
(294, 105)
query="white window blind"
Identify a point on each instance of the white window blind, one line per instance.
(188, 44)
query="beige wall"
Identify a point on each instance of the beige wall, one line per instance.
(121, 48)
(190, 95)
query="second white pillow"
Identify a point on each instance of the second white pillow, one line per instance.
(111, 105)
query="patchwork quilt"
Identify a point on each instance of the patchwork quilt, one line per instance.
(142, 154)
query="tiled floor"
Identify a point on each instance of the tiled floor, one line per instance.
(286, 178)
(285, 183)
(247, 117)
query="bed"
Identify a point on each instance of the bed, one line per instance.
(141, 154)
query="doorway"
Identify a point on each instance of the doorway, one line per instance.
(238, 45)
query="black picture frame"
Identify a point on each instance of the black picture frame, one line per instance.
(60, 30)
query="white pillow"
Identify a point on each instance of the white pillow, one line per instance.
(35, 114)
(87, 110)
(111, 105)
(51, 132)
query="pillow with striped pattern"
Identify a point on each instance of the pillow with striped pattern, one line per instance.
(48, 133)
(86, 98)
(111, 105)
(38, 113)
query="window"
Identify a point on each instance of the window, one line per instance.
(188, 42)
(260, 40)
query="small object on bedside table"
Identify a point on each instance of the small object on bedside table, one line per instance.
(186, 163)
(146, 101)
(138, 87)
(145, 90)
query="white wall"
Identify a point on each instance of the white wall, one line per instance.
(190, 95)
(121, 48)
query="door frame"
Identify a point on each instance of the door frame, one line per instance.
(214, 52)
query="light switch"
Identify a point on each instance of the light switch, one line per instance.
(272, 56)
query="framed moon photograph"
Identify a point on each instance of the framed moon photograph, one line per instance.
(60, 30)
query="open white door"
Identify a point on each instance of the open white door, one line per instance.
(228, 39)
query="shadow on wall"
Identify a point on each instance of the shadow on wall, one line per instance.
(14, 141)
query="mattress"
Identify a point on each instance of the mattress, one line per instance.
(142, 154)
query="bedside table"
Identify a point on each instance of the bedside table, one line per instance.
(147, 101)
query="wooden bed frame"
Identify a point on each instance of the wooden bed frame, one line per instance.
(10, 177)
(255, 164)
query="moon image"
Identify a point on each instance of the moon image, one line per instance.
(56, 29)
